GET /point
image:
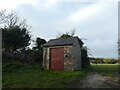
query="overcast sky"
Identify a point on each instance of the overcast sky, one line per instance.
(94, 20)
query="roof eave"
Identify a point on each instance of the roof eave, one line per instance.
(57, 45)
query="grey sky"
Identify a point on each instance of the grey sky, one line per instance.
(95, 20)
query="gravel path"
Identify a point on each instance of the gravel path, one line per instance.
(95, 80)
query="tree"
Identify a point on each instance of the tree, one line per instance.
(38, 50)
(40, 42)
(73, 32)
(15, 38)
(15, 31)
(66, 35)
(85, 60)
(2, 16)
(12, 19)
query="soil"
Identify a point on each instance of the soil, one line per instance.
(96, 80)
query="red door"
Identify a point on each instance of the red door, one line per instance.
(57, 59)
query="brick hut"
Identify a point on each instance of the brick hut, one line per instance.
(63, 54)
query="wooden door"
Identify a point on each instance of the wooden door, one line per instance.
(57, 59)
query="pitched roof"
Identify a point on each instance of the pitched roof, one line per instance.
(62, 41)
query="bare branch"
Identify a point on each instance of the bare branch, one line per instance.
(2, 16)
(73, 32)
(12, 19)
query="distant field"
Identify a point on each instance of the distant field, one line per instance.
(106, 67)
(36, 78)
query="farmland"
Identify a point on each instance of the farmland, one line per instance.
(105, 67)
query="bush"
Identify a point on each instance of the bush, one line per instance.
(11, 67)
(17, 67)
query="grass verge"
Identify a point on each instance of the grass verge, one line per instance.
(38, 78)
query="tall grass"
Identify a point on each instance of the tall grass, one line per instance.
(35, 77)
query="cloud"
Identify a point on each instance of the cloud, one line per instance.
(103, 48)
(45, 4)
(91, 10)
(11, 4)
(98, 23)
(95, 20)
(85, 13)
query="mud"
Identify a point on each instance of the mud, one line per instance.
(96, 80)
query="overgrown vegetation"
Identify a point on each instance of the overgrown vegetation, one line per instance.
(36, 77)
(16, 39)
(66, 35)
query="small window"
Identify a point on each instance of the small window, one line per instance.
(66, 56)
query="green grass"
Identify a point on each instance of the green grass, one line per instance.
(37, 78)
(105, 67)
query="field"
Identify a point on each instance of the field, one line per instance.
(37, 78)
(106, 67)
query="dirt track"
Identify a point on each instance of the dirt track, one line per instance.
(95, 80)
